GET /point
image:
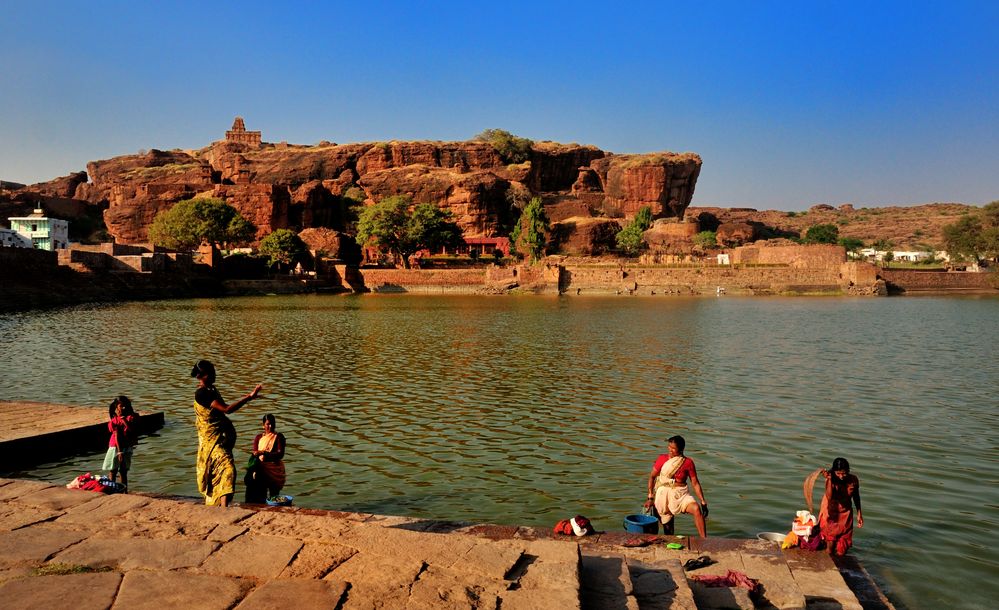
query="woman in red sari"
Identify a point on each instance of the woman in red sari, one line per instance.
(836, 514)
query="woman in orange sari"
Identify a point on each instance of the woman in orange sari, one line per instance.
(836, 514)
(266, 476)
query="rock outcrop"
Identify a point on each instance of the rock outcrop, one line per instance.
(301, 187)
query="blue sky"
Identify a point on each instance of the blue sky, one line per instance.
(788, 103)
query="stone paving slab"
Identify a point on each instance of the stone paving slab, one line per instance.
(439, 588)
(91, 591)
(13, 516)
(810, 571)
(144, 590)
(253, 555)
(317, 559)
(36, 544)
(375, 578)
(132, 553)
(103, 509)
(298, 593)
(16, 488)
(307, 528)
(58, 498)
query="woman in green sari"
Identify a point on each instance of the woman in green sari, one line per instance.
(216, 470)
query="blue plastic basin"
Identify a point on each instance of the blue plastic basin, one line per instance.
(641, 524)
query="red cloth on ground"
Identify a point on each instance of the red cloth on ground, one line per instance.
(731, 579)
(686, 469)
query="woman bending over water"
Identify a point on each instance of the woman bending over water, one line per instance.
(216, 470)
(836, 514)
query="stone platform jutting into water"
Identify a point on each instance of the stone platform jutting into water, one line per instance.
(36, 432)
(67, 548)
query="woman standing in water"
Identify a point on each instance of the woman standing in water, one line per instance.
(266, 477)
(836, 514)
(216, 470)
(668, 487)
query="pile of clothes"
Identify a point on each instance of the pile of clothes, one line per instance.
(804, 532)
(89, 482)
(578, 525)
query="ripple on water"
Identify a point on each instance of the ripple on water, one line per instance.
(526, 409)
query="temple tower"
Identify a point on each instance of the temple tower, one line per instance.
(239, 135)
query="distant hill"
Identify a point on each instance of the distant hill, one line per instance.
(906, 227)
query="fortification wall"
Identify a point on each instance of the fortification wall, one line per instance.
(701, 280)
(423, 280)
(815, 255)
(909, 280)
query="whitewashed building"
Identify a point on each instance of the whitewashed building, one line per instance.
(45, 233)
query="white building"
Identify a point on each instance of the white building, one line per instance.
(13, 239)
(45, 233)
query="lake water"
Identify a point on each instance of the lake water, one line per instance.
(526, 410)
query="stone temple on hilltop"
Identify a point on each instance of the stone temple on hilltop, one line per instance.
(239, 135)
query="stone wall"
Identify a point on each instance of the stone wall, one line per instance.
(815, 255)
(700, 280)
(908, 280)
(26, 260)
(423, 280)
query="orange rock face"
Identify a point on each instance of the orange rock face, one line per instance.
(301, 187)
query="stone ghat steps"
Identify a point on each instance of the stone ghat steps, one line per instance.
(613, 577)
(75, 549)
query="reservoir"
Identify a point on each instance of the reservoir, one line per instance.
(527, 410)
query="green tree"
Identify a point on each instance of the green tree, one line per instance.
(532, 229)
(511, 148)
(851, 244)
(822, 234)
(284, 246)
(888, 257)
(706, 239)
(629, 239)
(403, 231)
(974, 236)
(193, 222)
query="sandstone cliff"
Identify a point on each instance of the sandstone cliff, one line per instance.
(300, 187)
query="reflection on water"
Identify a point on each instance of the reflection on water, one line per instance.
(527, 409)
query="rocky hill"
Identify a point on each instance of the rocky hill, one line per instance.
(906, 227)
(300, 187)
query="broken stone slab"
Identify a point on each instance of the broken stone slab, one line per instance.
(491, 559)
(88, 591)
(225, 532)
(295, 593)
(36, 543)
(374, 576)
(440, 588)
(253, 555)
(142, 590)
(317, 559)
(132, 553)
